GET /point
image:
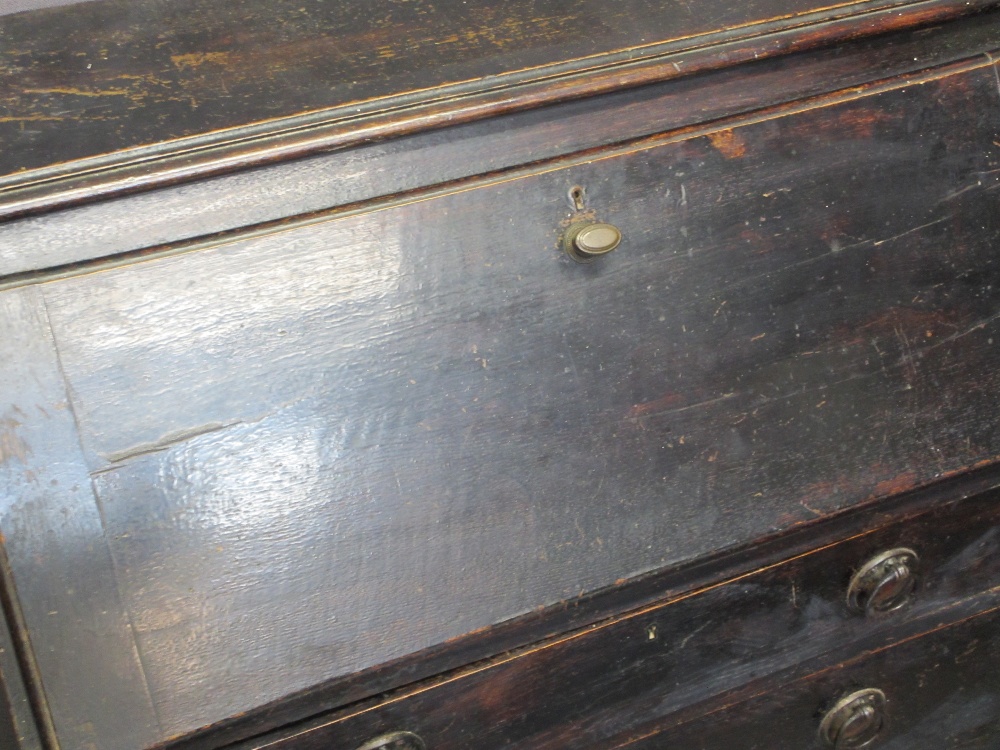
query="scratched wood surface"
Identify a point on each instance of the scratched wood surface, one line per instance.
(120, 73)
(93, 80)
(321, 449)
(370, 171)
(56, 547)
(943, 691)
(962, 586)
(633, 675)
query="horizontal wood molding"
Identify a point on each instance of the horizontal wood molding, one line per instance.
(449, 187)
(67, 142)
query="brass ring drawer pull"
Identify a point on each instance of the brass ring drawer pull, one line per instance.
(885, 583)
(395, 741)
(855, 721)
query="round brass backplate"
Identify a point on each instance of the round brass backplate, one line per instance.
(855, 721)
(884, 583)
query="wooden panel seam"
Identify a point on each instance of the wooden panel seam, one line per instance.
(906, 508)
(70, 400)
(583, 632)
(91, 675)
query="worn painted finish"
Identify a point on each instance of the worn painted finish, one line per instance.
(384, 169)
(348, 441)
(55, 543)
(623, 678)
(115, 96)
(119, 74)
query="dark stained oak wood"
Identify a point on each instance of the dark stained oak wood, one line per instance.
(348, 440)
(80, 633)
(18, 729)
(602, 685)
(312, 708)
(943, 691)
(373, 171)
(264, 463)
(116, 96)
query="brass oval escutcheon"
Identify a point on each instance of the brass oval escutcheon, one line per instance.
(586, 242)
(855, 721)
(884, 583)
(395, 741)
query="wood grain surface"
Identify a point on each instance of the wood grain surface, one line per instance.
(325, 703)
(122, 73)
(18, 729)
(943, 691)
(372, 171)
(355, 438)
(54, 540)
(598, 687)
(117, 96)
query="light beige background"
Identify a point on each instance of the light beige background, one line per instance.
(16, 6)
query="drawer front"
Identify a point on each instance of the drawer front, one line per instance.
(323, 448)
(599, 687)
(941, 691)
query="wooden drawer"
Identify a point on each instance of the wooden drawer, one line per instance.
(941, 691)
(630, 675)
(303, 453)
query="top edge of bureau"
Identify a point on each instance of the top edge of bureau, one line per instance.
(111, 97)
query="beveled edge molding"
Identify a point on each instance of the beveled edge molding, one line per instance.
(152, 253)
(187, 159)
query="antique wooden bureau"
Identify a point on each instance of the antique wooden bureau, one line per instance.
(443, 374)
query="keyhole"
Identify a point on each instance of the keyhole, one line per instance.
(577, 198)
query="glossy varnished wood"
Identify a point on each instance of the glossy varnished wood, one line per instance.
(39, 246)
(82, 645)
(311, 708)
(943, 691)
(600, 686)
(330, 427)
(359, 437)
(114, 96)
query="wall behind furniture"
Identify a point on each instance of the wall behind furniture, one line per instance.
(16, 6)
